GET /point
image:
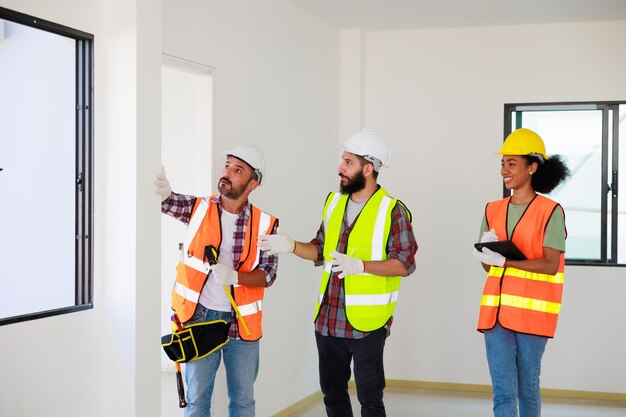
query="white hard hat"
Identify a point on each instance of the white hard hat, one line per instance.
(372, 145)
(252, 156)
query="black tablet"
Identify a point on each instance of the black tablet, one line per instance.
(505, 248)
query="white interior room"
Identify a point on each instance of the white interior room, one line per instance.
(295, 78)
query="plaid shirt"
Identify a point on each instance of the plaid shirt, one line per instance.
(179, 206)
(401, 245)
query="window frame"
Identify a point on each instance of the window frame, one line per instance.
(84, 163)
(606, 259)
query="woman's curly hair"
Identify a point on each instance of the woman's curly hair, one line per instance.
(549, 173)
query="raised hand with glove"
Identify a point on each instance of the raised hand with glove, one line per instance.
(489, 236)
(347, 265)
(224, 275)
(162, 185)
(276, 244)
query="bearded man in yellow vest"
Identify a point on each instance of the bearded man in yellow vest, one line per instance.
(365, 244)
(228, 222)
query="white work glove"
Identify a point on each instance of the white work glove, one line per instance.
(489, 257)
(489, 236)
(276, 244)
(162, 185)
(224, 275)
(345, 264)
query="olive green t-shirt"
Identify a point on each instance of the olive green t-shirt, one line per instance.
(555, 231)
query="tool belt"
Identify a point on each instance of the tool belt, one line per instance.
(195, 341)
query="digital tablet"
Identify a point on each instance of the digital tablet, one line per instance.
(505, 248)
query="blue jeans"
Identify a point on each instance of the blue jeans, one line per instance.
(241, 360)
(515, 364)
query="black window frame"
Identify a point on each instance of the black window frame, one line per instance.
(612, 189)
(84, 166)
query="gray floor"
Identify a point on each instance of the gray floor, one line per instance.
(432, 403)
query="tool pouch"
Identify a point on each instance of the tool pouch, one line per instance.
(195, 341)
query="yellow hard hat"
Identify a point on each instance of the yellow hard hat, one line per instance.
(524, 142)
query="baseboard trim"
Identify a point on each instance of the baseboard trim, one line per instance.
(303, 404)
(546, 392)
(452, 386)
(587, 395)
(443, 386)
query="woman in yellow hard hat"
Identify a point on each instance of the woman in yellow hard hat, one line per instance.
(522, 298)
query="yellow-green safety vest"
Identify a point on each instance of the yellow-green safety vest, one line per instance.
(370, 299)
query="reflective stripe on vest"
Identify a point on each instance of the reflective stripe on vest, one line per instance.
(192, 271)
(334, 199)
(523, 301)
(363, 299)
(186, 293)
(249, 300)
(370, 299)
(251, 308)
(520, 273)
(265, 224)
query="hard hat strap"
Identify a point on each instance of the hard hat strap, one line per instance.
(259, 175)
(538, 156)
(374, 161)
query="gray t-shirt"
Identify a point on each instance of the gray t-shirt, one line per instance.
(353, 209)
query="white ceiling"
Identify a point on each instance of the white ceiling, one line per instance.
(416, 14)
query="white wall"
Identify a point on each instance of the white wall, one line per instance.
(128, 256)
(439, 95)
(186, 125)
(104, 361)
(52, 366)
(276, 85)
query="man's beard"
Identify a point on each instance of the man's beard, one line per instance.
(356, 183)
(231, 193)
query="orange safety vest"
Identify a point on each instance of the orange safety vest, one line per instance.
(522, 301)
(192, 271)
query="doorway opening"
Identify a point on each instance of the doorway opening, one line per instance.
(186, 152)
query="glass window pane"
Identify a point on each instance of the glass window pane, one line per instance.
(37, 154)
(577, 136)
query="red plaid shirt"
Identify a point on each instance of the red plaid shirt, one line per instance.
(180, 206)
(401, 245)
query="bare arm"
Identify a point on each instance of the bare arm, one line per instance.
(549, 264)
(388, 268)
(254, 278)
(306, 251)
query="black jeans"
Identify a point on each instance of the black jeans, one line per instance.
(335, 355)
